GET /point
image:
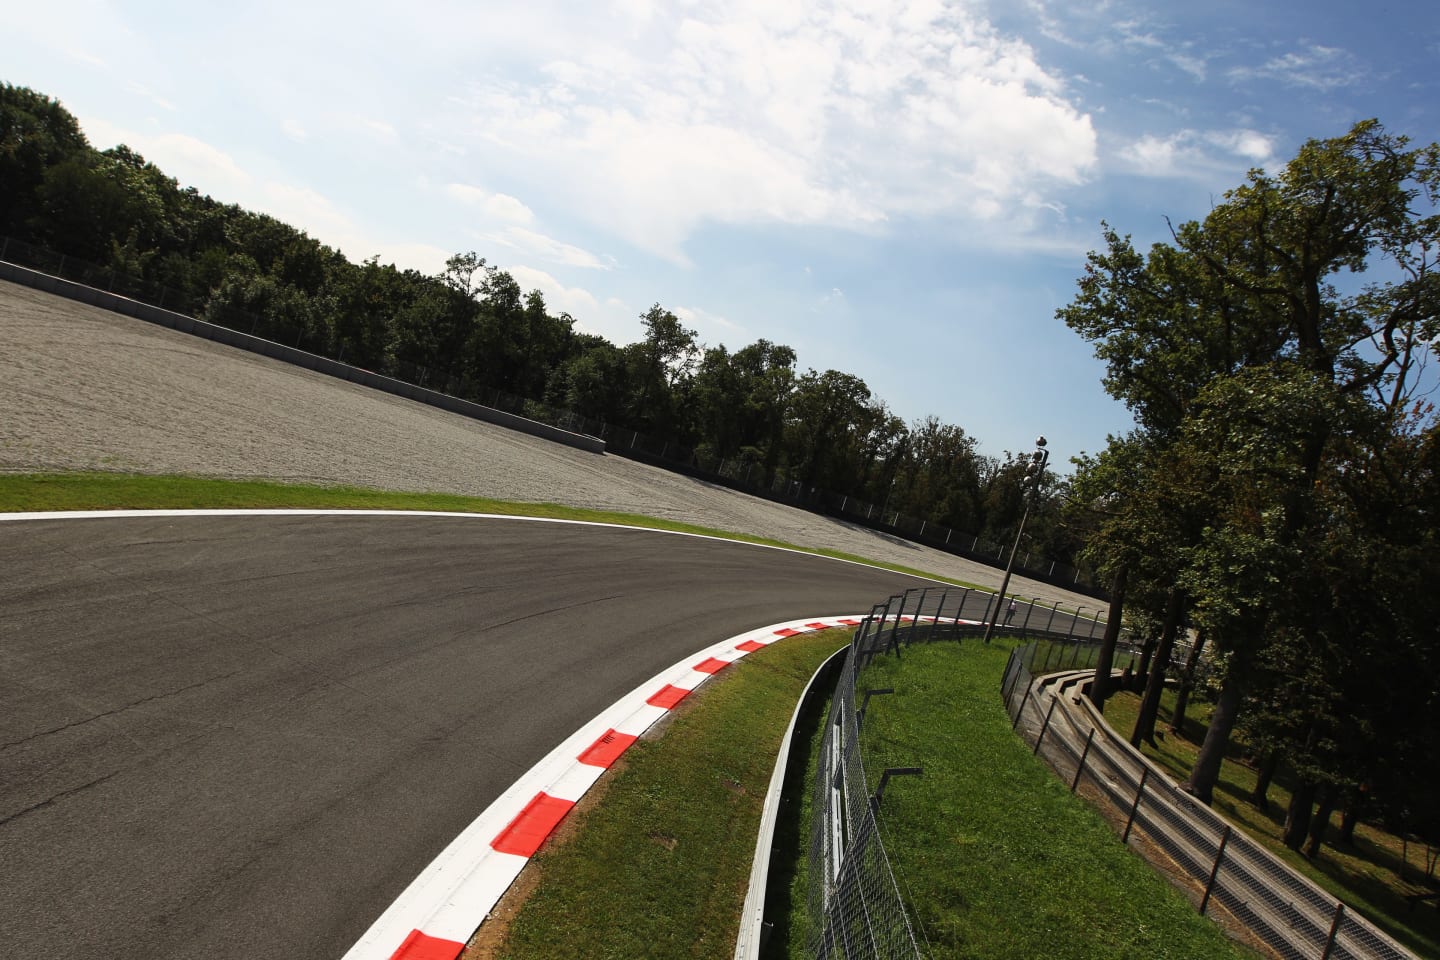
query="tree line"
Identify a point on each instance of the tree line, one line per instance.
(471, 328)
(1279, 495)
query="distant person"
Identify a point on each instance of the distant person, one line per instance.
(1010, 613)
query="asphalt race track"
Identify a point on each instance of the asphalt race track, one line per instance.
(230, 737)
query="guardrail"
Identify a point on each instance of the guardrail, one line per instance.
(1218, 867)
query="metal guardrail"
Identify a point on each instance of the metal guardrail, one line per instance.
(1220, 868)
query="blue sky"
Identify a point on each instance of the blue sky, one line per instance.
(902, 191)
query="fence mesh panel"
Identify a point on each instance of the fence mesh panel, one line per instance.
(854, 903)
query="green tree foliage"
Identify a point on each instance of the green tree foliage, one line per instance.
(36, 134)
(1269, 355)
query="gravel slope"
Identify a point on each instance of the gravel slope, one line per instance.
(85, 389)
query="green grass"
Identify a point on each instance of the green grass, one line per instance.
(1365, 877)
(25, 493)
(995, 857)
(659, 867)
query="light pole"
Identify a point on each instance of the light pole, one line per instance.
(1035, 473)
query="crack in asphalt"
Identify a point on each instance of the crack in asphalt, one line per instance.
(121, 709)
(56, 797)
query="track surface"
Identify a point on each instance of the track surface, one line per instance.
(241, 737)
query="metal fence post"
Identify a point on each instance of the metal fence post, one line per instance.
(865, 704)
(1045, 726)
(1215, 872)
(915, 621)
(1135, 807)
(1334, 929)
(1023, 700)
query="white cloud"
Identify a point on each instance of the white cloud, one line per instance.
(572, 256)
(576, 301)
(191, 161)
(709, 326)
(378, 129)
(844, 114)
(1317, 66)
(498, 206)
(1195, 154)
(538, 244)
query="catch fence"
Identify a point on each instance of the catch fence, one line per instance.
(854, 903)
(1252, 892)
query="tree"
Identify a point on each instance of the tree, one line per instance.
(826, 414)
(36, 133)
(1244, 346)
(660, 366)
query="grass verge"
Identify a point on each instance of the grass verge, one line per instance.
(35, 492)
(1366, 877)
(659, 867)
(994, 856)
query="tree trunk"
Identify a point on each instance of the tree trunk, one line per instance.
(1350, 816)
(1155, 679)
(1187, 683)
(1329, 796)
(1259, 797)
(1147, 652)
(1100, 686)
(1206, 772)
(1297, 820)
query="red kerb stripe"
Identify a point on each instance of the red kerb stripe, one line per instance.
(750, 646)
(418, 946)
(711, 665)
(606, 750)
(667, 696)
(788, 632)
(529, 829)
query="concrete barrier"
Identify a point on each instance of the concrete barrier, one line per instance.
(278, 351)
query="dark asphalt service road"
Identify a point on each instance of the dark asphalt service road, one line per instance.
(242, 737)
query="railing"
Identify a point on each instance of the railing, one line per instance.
(1221, 869)
(738, 474)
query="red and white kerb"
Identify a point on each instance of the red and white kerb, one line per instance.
(439, 912)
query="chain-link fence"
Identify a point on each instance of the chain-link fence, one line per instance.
(1250, 891)
(854, 904)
